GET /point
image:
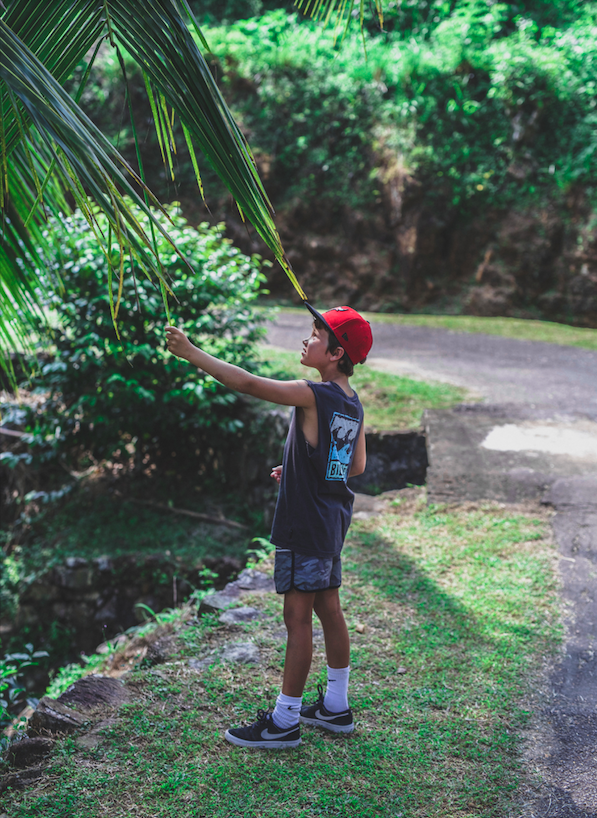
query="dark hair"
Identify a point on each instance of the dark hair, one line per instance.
(345, 365)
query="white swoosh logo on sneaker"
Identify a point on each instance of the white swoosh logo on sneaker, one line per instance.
(319, 715)
(266, 733)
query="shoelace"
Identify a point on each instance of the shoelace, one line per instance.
(262, 716)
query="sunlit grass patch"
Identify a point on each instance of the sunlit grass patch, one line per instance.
(452, 612)
(390, 401)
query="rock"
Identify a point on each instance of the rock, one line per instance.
(28, 752)
(252, 580)
(51, 716)
(249, 580)
(108, 611)
(18, 781)
(224, 567)
(91, 739)
(93, 691)
(158, 652)
(76, 577)
(40, 591)
(103, 564)
(117, 643)
(201, 664)
(236, 615)
(27, 615)
(244, 653)
(219, 601)
(75, 562)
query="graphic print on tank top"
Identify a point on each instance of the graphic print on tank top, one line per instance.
(343, 430)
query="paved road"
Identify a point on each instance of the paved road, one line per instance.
(534, 435)
(500, 370)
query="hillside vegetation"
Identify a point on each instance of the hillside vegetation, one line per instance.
(443, 164)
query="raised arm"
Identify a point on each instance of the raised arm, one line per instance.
(285, 393)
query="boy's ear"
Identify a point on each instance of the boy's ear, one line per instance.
(337, 354)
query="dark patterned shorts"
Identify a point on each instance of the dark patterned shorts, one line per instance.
(308, 574)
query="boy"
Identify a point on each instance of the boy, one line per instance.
(325, 446)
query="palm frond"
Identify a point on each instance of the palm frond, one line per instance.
(86, 161)
(340, 12)
(153, 34)
(41, 43)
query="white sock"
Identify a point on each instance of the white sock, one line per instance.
(287, 711)
(336, 694)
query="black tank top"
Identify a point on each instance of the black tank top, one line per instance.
(314, 505)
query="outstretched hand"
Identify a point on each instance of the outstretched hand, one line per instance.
(277, 473)
(178, 343)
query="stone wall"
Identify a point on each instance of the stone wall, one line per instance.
(394, 460)
(92, 600)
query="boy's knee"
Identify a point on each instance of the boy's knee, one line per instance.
(327, 603)
(297, 619)
(298, 610)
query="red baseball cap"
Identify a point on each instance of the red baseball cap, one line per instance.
(350, 329)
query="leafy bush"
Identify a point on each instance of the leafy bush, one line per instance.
(12, 695)
(128, 396)
(487, 105)
(483, 101)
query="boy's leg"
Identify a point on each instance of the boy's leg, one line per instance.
(281, 728)
(331, 711)
(298, 614)
(337, 644)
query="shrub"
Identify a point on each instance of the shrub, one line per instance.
(485, 102)
(484, 105)
(13, 696)
(128, 397)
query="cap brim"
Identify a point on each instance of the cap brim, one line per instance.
(318, 315)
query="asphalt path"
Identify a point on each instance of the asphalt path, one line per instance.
(495, 369)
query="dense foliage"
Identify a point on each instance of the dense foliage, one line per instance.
(483, 105)
(107, 394)
(485, 102)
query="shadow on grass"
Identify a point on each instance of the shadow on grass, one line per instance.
(478, 656)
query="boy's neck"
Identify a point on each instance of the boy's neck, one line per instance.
(332, 373)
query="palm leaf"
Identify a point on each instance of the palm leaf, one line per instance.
(85, 160)
(41, 43)
(338, 11)
(171, 60)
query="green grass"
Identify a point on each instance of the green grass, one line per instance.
(390, 401)
(464, 600)
(520, 329)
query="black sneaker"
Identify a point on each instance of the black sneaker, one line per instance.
(264, 734)
(317, 715)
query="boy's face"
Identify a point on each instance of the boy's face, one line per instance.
(315, 349)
